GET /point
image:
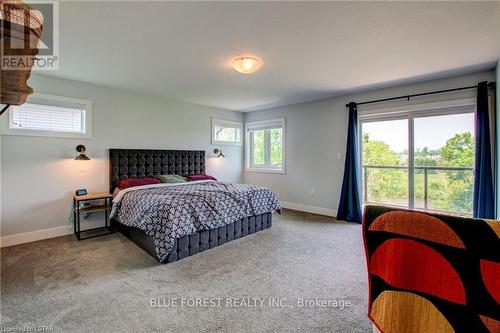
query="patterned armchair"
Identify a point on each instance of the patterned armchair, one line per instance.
(432, 273)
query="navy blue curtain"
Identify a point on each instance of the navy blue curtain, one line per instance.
(350, 197)
(483, 205)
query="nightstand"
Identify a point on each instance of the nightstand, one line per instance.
(100, 202)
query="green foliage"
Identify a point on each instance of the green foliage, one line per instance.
(458, 151)
(378, 153)
(426, 157)
(446, 190)
(276, 146)
(391, 183)
(258, 147)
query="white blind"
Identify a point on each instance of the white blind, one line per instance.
(47, 118)
(450, 106)
(266, 124)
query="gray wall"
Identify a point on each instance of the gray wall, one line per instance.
(316, 134)
(39, 175)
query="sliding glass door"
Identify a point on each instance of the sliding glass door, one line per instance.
(419, 161)
(385, 162)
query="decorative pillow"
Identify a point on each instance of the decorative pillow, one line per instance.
(171, 179)
(200, 177)
(131, 182)
(116, 191)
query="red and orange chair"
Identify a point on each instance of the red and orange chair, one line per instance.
(432, 273)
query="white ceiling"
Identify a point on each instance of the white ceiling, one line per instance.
(310, 50)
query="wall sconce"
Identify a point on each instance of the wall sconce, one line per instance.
(218, 153)
(81, 150)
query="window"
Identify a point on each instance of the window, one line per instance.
(266, 146)
(226, 132)
(421, 159)
(45, 115)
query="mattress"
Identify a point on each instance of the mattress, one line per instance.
(169, 212)
(201, 240)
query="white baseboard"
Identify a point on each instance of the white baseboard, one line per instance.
(35, 235)
(64, 230)
(309, 209)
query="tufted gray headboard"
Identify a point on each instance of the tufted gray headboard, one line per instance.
(140, 163)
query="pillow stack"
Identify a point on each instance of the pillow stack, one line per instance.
(200, 177)
(132, 182)
(171, 179)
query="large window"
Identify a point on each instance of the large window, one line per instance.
(444, 159)
(45, 115)
(420, 159)
(266, 146)
(226, 132)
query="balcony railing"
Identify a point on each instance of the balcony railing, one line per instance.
(426, 170)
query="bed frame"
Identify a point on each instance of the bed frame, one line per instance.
(140, 163)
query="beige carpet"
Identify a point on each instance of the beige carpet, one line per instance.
(259, 283)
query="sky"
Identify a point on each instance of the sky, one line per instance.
(430, 132)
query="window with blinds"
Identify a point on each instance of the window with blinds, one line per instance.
(45, 115)
(47, 118)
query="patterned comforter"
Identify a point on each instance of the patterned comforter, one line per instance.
(170, 212)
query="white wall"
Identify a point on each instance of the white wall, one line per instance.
(316, 134)
(39, 175)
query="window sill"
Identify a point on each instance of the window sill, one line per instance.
(227, 143)
(47, 134)
(265, 170)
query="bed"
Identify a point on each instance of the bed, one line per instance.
(173, 221)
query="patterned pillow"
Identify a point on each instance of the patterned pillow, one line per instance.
(171, 179)
(200, 177)
(131, 182)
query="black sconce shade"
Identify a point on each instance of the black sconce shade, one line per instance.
(81, 150)
(218, 153)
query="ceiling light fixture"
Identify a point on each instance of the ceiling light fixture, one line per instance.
(247, 64)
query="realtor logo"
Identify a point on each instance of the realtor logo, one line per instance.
(29, 35)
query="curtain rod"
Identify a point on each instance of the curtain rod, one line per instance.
(491, 84)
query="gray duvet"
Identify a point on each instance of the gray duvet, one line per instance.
(168, 213)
